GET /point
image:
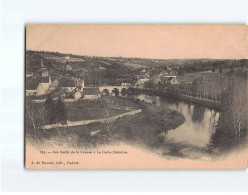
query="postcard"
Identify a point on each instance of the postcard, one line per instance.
(136, 97)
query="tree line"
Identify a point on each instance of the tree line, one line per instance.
(232, 129)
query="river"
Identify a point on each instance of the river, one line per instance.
(200, 123)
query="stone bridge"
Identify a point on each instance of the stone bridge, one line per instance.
(109, 89)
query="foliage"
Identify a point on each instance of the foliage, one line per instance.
(150, 84)
(233, 122)
(60, 112)
(38, 115)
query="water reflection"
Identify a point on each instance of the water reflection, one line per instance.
(198, 114)
(200, 122)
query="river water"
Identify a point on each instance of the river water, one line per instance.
(200, 122)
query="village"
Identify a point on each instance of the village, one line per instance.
(68, 86)
(79, 78)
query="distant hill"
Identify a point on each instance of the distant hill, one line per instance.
(134, 63)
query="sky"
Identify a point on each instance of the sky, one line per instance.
(142, 41)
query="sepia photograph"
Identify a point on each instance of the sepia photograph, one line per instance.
(136, 96)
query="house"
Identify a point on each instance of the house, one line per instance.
(171, 80)
(79, 83)
(76, 93)
(67, 85)
(156, 80)
(54, 84)
(30, 92)
(69, 74)
(126, 84)
(31, 88)
(29, 74)
(68, 67)
(91, 93)
(67, 57)
(141, 79)
(38, 86)
(102, 68)
(163, 73)
(43, 86)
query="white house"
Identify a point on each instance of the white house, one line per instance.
(29, 74)
(38, 86)
(54, 85)
(43, 86)
(68, 67)
(126, 84)
(141, 79)
(171, 80)
(67, 57)
(31, 92)
(77, 94)
(79, 83)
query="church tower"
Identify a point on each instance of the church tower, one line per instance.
(41, 64)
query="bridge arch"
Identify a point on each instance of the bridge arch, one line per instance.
(111, 89)
(124, 91)
(105, 92)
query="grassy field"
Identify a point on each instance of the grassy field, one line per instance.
(88, 111)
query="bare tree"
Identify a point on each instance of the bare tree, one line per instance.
(35, 120)
(236, 105)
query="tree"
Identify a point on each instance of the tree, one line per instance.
(233, 121)
(49, 110)
(60, 112)
(34, 120)
(235, 104)
(213, 68)
(149, 84)
(220, 69)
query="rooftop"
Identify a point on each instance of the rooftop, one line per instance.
(33, 83)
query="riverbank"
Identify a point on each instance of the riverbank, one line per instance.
(143, 128)
(203, 102)
(148, 127)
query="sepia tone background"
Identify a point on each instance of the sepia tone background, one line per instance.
(142, 41)
(17, 14)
